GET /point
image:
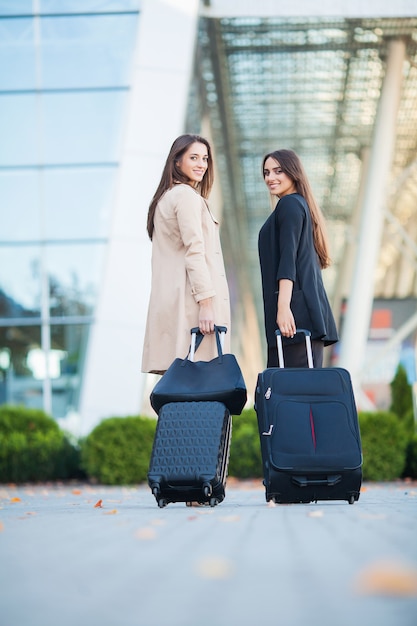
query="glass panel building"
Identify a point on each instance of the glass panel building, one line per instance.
(65, 72)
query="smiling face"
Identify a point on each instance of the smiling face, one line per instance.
(194, 162)
(278, 183)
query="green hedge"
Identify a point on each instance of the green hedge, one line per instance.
(118, 450)
(33, 448)
(245, 451)
(384, 444)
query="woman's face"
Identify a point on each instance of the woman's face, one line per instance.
(194, 162)
(278, 183)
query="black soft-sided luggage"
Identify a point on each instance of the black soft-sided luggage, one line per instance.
(309, 432)
(190, 453)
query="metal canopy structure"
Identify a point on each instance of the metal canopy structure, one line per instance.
(312, 84)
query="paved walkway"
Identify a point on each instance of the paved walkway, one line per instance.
(66, 561)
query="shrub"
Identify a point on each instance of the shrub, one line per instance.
(32, 446)
(245, 451)
(384, 442)
(118, 450)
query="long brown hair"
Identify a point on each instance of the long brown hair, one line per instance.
(291, 165)
(172, 173)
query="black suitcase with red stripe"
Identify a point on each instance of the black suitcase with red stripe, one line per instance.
(309, 433)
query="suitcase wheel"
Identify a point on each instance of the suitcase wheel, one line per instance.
(162, 502)
(214, 502)
(155, 491)
(207, 490)
(351, 499)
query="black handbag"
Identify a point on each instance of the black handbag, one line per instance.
(187, 380)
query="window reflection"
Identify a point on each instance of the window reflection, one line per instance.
(86, 51)
(17, 60)
(17, 384)
(74, 272)
(18, 128)
(20, 281)
(68, 343)
(19, 206)
(77, 202)
(74, 6)
(24, 366)
(82, 127)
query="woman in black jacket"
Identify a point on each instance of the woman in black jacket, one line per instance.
(293, 250)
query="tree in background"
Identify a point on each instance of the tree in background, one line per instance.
(401, 394)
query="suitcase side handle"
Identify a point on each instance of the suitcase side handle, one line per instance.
(307, 335)
(329, 481)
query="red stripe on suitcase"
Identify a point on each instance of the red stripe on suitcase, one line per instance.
(313, 432)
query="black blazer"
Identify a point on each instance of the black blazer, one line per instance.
(286, 250)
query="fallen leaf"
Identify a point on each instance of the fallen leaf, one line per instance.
(215, 568)
(363, 489)
(98, 504)
(15, 500)
(387, 579)
(112, 512)
(315, 514)
(76, 492)
(145, 534)
(230, 518)
(30, 512)
(1, 527)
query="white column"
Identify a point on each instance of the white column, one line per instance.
(359, 309)
(161, 74)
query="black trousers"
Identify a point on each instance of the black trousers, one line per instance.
(295, 354)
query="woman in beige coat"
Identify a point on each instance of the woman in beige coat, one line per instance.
(189, 287)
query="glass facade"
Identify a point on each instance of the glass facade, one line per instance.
(65, 68)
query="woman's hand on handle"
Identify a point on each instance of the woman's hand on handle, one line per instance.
(285, 318)
(206, 317)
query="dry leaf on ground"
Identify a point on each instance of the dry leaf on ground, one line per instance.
(215, 568)
(146, 533)
(98, 504)
(387, 579)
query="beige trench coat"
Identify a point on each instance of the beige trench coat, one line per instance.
(187, 266)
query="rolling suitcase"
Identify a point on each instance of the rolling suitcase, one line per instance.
(309, 432)
(190, 453)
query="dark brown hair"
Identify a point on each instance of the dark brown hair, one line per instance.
(291, 165)
(172, 173)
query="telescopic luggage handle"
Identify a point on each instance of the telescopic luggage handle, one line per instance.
(197, 337)
(307, 335)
